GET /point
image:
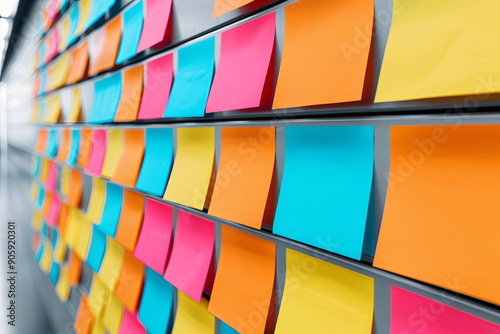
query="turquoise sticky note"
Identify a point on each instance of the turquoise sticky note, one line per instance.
(74, 148)
(156, 304)
(157, 162)
(52, 141)
(40, 198)
(73, 24)
(133, 19)
(226, 329)
(97, 9)
(325, 190)
(107, 94)
(54, 272)
(112, 209)
(35, 167)
(193, 80)
(39, 253)
(55, 236)
(44, 230)
(96, 250)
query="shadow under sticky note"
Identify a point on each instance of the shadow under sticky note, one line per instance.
(158, 160)
(245, 61)
(96, 202)
(193, 167)
(327, 167)
(130, 282)
(131, 157)
(79, 63)
(112, 209)
(222, 6)
(113, 153)
(318, 67)
(133, 19)
(97, 152)
(192, 253)
(328, 299)
(131, 94)
(245, 274)
(193, 317)
(107, 94)
(193, 79)
(111, 264)
(130, 324)
(153, 245)
(156, 18)
(441, 177)
(96, 250)
(130, 221)
(104, 44)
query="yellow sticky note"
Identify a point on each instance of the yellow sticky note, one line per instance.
(34, 190)
(46, 260)
(72, 227)
(111, 264)
(320, 297)
(58, 72)
(113, 314)
(96, 202)
(113, 152)
(65, 180)
(60, 249)
(193, 317)
(76, 107)
(44, 169)
(82, 240)
(52, 109)
(441, 48)
(83, 10)
(98, 296)
(98, 327)
(35, 111)
(37, 217)
(193, 167)
(63, 287)
(63, 33)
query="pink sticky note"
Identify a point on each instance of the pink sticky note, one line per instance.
(246, 53)
(130, 324)
(50, 183)
(191, 254)
(155, 23)
(153, 245)
(52, 45)
(415, 314)
(55, 208)
(157, 85)
(97, 152)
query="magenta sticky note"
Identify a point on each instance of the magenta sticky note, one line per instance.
(191, 254)
(130, 324)
(415, 314)
(156, 16)
(97, 152)
(157, 86)
(55, 208)
(50, 183)
(245, 59)
(153, 244)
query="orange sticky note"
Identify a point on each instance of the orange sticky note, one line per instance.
(74, 269)
(104, 45)
(244, 283)
(130, 99)
(75, 189)
(62, 153)
(440, 223)
(225, 6)
(130, 281)
(84, 318)
(63, 218)
(41, 143)
(130, 221)
(79, 63)
(85, 144)
(130, 163)
(245, 174)
(324, 58)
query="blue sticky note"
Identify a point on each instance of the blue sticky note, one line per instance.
(226, 329)
(133, 19)
(193, 80)
(96, 250)
(52, 143)
(74, 148)
(107, 94)
(40, 198)
(97, 9)
(73, 23)
(44, 230)
(325, 190)
(35, 167)
(112, 209)
(55, 236)
(39, 253)
(157, 162)
(54, 272)
(156, 304)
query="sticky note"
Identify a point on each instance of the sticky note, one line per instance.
(35, 165)
(63, 218)
(103, 46)
(97, 152)
(130, 324)
(74, 269)
(133, 19)
(79, 63)
(131, 158)
(82, 242)
(98, 327)
(54, 272)
(193, 317)
(437, 319)
(158, 160)
(74, 195)
(53, 109)
(153, 245)
(130, 221)
(226, 329)
(193, 167)
(454, 51)
(58, 72)
(131, 94)
(245, 61)
(113, 153)
(318, 67)
(52, 44)
(157, 84)
(46, 260)
(112, 209)
(192, 253)
(84, 317)
(328, 298)
(52, 143)
(53, 214)
(75, 147)
(47, 201)
(107, 94)
(97, 10)
(156, 17)
(193, 79)
(85, 144)
(40, 199)
(73, 14)
(63, 287)
(50, 183)
(83, 14)
(65, 180)
(64, 30)
(76, 107)
(245, 274)
(441, 177)
(222, 6)
(36, 106)
(242, 188)
(111, 264)
(71, 228)
(62, 154)
(156, 305)
(327, 167)
(130, 281)
(96, 250)
(59, 248)
(96, 201)
(98, 296)
(41, 143)
(39, 253)
(113, 314)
